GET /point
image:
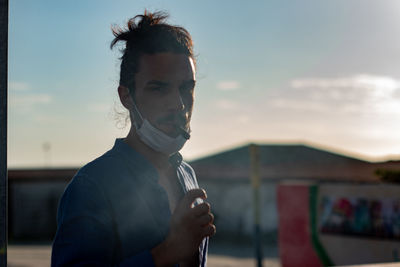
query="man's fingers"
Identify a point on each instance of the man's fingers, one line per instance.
(200, 209)
(209, 230)
(205, 219)
(192, 195)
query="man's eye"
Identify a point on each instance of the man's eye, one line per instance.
(158, 89)
(188, 89)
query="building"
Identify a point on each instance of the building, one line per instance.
(225, 176)
(34, 193)
(33, 196)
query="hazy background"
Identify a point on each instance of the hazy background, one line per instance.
(320, 72)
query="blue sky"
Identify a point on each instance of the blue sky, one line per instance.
(316, 72)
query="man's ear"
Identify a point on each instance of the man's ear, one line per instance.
(125, 97)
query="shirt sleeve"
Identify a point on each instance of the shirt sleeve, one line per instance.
(85, 234)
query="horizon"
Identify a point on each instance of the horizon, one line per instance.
(342, 153)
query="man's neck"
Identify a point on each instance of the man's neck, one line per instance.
(158, 159)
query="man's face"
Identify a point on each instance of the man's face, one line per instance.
(164, 92)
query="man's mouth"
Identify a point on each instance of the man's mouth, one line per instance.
(173, 128)
(177, 122)
(175, 125)
(170, 126)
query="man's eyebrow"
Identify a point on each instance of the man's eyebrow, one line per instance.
(157, 82)
(190, 82)
(161, 83)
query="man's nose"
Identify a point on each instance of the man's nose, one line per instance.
(177, 102)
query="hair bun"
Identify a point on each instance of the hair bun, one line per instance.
(149, 19)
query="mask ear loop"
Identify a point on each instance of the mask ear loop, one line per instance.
(136, 114)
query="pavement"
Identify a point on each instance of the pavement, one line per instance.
(220, 255)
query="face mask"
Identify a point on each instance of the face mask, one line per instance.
(155, 138)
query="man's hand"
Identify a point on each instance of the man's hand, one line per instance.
(189, 225)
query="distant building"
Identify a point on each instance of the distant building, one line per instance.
(33, 196)
(34, 193)
(226, 177)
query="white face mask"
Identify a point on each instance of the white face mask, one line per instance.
(155, 138)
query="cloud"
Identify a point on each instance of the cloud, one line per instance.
(377, 86)
(300, 104)
(22, 99)
(99, 107)
(18, 86)
(45, 118)
(361, 93)
(29, 100)
(228, 85)
(243, 119)
(226, 104)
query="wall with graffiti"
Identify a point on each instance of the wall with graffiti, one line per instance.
(338, 224)
(363, 217)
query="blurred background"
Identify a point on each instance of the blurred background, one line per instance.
(315, 84)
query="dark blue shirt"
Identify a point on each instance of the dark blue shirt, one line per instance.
(114, 212)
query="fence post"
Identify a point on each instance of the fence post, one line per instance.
(256, 182)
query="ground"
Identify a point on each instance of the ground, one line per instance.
(221, 255)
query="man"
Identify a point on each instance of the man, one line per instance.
(139, 203)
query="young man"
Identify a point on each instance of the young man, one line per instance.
(139, 204)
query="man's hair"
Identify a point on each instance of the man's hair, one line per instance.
(148, 34)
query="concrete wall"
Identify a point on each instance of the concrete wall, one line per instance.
(232, 205)
(33, 209)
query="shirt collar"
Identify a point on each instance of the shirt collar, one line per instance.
(175, 159)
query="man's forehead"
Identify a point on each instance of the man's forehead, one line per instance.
(167, 64)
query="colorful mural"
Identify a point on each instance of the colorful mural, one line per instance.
(372, 218)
